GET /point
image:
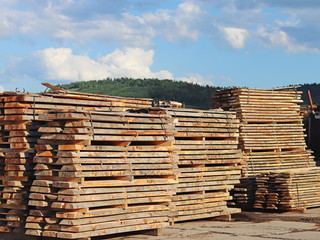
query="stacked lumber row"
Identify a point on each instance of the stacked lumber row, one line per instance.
(19, 133)
(266, 197)
(3, 146)
(288, 190)
(208, 162)
(18, 139)
(100, 173)
(271, 133)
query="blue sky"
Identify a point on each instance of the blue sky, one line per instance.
(247, 43)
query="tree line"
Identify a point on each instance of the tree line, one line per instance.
(191, 94)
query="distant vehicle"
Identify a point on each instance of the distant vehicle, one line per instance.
(168, 104)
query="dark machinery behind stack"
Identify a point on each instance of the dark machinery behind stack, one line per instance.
(313, 128)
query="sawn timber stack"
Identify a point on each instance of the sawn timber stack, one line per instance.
(209, 162)
(288, 190)
(271, 133)
(19, 133)
(101, 173)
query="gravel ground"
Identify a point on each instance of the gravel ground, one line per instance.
(246, 225)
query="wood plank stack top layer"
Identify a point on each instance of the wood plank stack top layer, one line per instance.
(100, 173)
(271, 133)
(54, 100)
(257, 106)
(288, 190)
(114, 101)
(208, 162)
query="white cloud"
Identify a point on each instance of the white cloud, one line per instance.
(198, 79)
(288, 23)
(1, 89)
(60, 64)
(225, 79)
(235, 36)
(53, 22)
(276, 38)
(176, 25)
(13, 22)
(298, 20)
(210, 80)
(56, 21)
(113, 22)
(132, 62)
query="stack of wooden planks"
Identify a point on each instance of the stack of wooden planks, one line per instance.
(208, 162)
(288, 190)
(89, 165)
(91, 168)
(18, 139)
(266, 197)
(100, 173)
(271, 133)
(19, 133)
(4, 146)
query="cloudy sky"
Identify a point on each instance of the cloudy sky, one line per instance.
(248, 43)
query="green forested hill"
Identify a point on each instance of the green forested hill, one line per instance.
(193, 95)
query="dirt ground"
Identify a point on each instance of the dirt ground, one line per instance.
(245, 226)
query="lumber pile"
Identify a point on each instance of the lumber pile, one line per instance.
(100, 173)
(271, 133)
(266, 196)
(18, 139)
(90, 165)
(208, 162)
(288, 190)
(19, 133)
